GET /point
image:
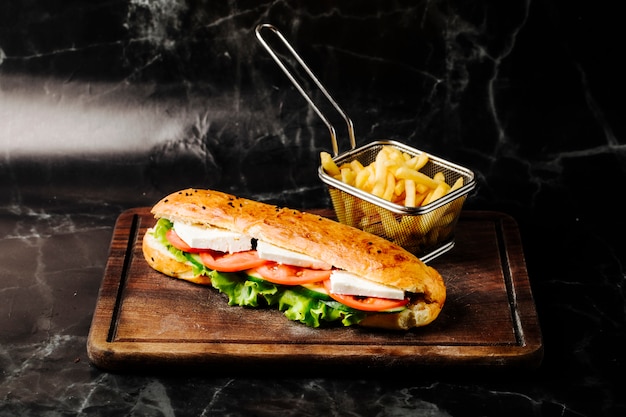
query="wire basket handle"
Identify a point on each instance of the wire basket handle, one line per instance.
(331, 129)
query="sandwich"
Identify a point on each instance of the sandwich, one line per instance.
(315, 270)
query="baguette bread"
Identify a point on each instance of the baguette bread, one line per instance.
(344, 247)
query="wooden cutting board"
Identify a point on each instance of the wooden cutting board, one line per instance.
(144, 320)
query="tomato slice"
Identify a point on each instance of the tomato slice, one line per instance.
(291, 275)
(178, 243)
(231, 262)
(366, 303)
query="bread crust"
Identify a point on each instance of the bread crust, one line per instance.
(342, 246)
(163, 261)
(417, 314)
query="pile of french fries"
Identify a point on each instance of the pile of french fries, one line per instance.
(395, 176)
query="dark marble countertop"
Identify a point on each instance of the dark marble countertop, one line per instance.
(109, 105)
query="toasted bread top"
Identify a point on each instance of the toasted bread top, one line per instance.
(344, 247)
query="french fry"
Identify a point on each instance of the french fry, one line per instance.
(380, 178)
(348, 176)
(457, 184)
(390, 186)
(391, 154)
(400, 188)
(421, 161)
(417, 162)
(410, 174)
(399, 199)
(440, 191)
(328, 164)
(371, 179)
(439, 177)
(409, 186)
(356, 166)
(421, 189)
(380, 169)
(378, 190)
(361, 179)
(419, 199)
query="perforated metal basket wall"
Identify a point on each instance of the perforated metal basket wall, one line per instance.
(426, 231)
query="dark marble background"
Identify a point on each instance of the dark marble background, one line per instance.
(108, 105)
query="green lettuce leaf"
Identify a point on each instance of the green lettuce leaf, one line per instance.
(296, 306)
(242, 291)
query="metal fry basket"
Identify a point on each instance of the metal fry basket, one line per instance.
(426, 231)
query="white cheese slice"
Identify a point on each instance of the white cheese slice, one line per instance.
(347, 283)
(288, 257)
(203, 237)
